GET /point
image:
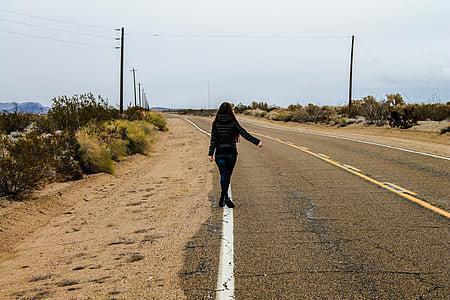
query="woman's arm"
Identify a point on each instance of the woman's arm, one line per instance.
(247, 135)
(212, 143)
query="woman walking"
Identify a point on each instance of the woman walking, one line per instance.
(225, 134)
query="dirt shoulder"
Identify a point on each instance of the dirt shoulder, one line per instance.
(426, 141)
(110, 236)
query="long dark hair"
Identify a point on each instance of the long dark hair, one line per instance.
(225, 109)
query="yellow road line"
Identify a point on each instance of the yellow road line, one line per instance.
(399, 188)
(388, 186)
(351, 167)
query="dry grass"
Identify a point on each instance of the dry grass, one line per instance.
(138, 135)
(95, 156)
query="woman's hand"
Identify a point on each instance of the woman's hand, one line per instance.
(211, 158)
(260, 144)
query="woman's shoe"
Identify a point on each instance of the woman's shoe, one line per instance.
(228, 202)
(222, 201)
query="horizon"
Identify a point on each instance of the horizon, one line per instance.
(234, 103)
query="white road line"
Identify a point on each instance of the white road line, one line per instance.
(349, 139)
(225, 278)
(225, 275)
(195, 125)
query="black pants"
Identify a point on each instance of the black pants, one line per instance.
(226, 163)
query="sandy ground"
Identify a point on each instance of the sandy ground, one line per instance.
(106, 236)
(414, 139)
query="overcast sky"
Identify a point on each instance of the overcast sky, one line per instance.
(401, 46)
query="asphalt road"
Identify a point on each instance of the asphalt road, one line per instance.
(307, 229)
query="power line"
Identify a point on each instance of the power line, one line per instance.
(389, 77)
(215, 36)
(55, 29)
(53, 39)
(54, 20)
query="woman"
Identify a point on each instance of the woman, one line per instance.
(224, 136)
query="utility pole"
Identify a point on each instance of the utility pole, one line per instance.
(134, 85)
(140, 98)
(351, 75)
(122, 30)
(143, 99)
(209, 96)
(146, 101)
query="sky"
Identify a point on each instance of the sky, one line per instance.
(277, 51)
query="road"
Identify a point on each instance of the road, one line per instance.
(305, 227)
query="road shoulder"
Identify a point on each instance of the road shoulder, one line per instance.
(114, 236)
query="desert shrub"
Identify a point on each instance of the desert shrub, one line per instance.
(138, 135)
(15, 121)
(401, 120)
(298, 113)
(342, 122)
(31, 157)
(67, 156)
(157, 119)
(113, 136)
(295, 107)
(260, 113)
(273, 115)
(394, 108)
(240, 108)
(24, 162)
(407, 115)
(103, 143)
(395, 100)
(313, 112)
(434, 112)
(285, 117)
(280, 115)
(354, 111)
(43, 124)
(375, 112)
(260, 105)
(95, 156)
(327, 114)
(118, 148)
(300, 116)
(135, 113)
(100, 144)
(80, 135)
(72, 113)
(197, 112)
(256, 113)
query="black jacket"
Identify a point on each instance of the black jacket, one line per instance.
(224, 134)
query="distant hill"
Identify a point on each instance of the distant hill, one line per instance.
(158, 108)
(28, 107)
